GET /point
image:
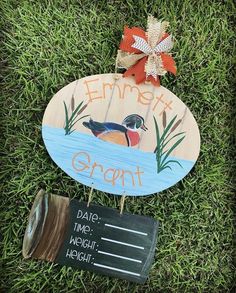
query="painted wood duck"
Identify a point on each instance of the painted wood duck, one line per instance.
(124, 134)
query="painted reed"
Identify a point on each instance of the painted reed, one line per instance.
(71, 120)
(163, 148)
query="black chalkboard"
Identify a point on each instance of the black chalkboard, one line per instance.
(102, 240)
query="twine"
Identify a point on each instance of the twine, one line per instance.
(90, 195)
(122, 203)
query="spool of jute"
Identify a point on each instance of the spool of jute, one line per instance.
(46, 227)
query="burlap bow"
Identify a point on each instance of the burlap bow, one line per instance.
(152, 46)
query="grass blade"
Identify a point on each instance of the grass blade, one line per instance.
(165, 144)
(163, 168)
(157, 149)
(172, 148)
(172, 161)
(168, 127)
(75, 112)
(78, 120)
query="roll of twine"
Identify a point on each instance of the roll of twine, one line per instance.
(46, 227)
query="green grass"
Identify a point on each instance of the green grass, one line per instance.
(47, 44)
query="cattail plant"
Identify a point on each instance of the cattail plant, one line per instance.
(163, 148)
(71, 120)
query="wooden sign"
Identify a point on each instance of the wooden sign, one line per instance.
(109, 133)
(93, 238)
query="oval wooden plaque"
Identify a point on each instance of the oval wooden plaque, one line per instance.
(107, 132)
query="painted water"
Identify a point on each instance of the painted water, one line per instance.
(110, 167)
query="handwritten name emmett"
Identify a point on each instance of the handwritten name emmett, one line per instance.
(81, 162)
(97, 90)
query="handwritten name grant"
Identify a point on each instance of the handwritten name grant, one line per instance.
(81, 162)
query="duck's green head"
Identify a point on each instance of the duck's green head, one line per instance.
(134, 122)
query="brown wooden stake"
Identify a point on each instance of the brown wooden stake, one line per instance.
(90, 195)
(122, 203)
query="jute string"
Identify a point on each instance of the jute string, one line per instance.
(90, 195)
(122, 203)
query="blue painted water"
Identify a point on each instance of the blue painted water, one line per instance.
(110, 167)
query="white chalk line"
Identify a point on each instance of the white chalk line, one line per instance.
(115, 269)
(122, 243)
(126, 229)
(119, 256)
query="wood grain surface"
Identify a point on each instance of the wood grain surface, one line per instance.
(110, 97)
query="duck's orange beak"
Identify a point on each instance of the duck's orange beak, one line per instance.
(144, 127)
